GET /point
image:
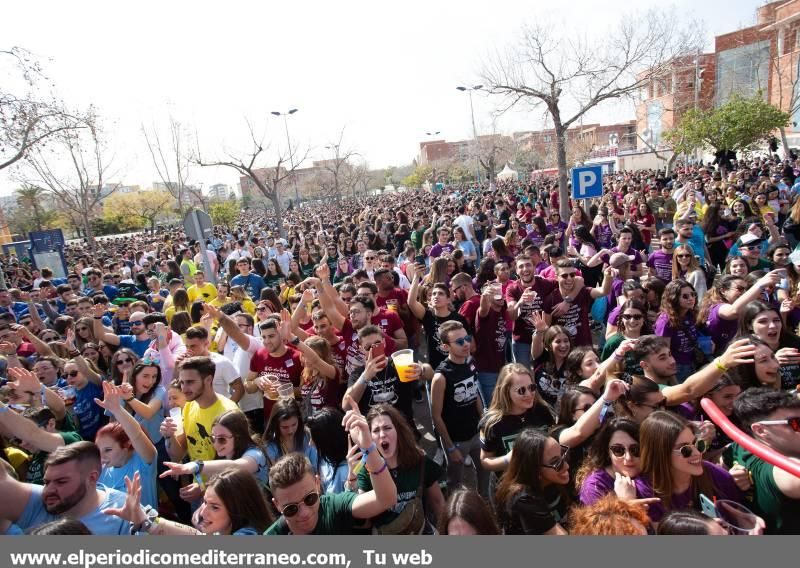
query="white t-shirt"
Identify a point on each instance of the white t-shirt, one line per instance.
(224, 374)
(465, 222)
(241, 360)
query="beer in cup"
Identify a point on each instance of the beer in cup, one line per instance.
(403, 360)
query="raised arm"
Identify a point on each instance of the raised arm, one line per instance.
(112, 402)
(592, 419)
(100, 332)
(328, 297)
(413, 297)
(606, 289)
(731, 311)
(28, 431)
(230, 327)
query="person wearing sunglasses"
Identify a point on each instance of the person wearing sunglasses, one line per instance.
(456, 405)
(296, 491)
(685, 266)
(88, 414)
(138, 339)
(613, 464)
(677, 322)
(515, 405)
(772, 417)
(631, 324)
(674, 468)
(531, 497)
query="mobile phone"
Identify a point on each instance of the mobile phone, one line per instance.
(377, 351)
(419, 259)
(707, 507)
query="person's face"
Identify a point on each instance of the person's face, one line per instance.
(661, 363)
(738, 208)
(439, 298)
(693, 465)
(738, 267)
(176, 398)
(384, 436)
(624, 241)
(459, 527)
(522, 392)
(687, 298)
(651, 402)
(566, 278)
(271, 339)
(724, 398)
(685, 230)
(781, 257)
(525, 270)
(85, 309)
(628, 464)
(584, 402)
(213, 515)
(370, 258)
(45, 372)
(223, 442)
(359, 315)
(75, 283)
(767, 327)
(633, 319)
(145, 380)
(453, 346)
(196, 346)
(502, 272)
(560, 345)
(65, 486)
(137, 324)
(550, 455)
(199, 279)
(751, 251)
(589, 364)
(244, 268)
(767, 367)
(305, 521)
(112, 454)
(288, 428)
(94, 281)
(684, 256)
(361, 245)
(192, 384)
(91, 354)
(73, 375)
(666, 241)
(735, 291)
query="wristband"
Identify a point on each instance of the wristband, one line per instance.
(379, 470)
(718, 364)
(451, 449)
(44, 395)
(606, 405)
(200, 481)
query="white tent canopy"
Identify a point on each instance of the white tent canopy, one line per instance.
(507, 174)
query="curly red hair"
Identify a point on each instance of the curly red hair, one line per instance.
(609, 516)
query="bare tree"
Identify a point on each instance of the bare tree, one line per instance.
(339, 168)
(29, 117)
(170, 159)
(571, 76)
(493, 151)
(268, 180)
(75, 169)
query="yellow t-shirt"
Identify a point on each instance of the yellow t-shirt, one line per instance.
(217, 303)
(206, 292)
(197, 426)
(170, 312)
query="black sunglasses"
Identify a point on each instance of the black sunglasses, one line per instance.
(660, 406)
(618, 450)
(126, 360)
(635, 317)
(531, 388)
(73, 374)
(292, 509)
(558, 465)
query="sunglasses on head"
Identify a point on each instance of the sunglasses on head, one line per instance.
(618, 450)
(531, 388)
(292, 509)
(461, 341)
(792, 422)
(558, 464)
(686, 450)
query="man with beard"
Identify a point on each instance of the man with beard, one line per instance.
(70, 490)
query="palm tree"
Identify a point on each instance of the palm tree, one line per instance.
(29, 198)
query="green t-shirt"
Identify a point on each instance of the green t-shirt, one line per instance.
(36, 465)
(335, 516)
(780, 513)
(407, 482)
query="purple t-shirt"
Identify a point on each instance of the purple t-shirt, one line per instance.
(612, 317)
(661, 263)
(576, 318)
(536, 238)
(554, 228)
(724, 488)
(682, 339)
(599, 483)
(603, 234)
(437, 250)
(616, 292)
(720, 330)
(637, 257)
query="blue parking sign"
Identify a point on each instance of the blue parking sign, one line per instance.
(587, 182)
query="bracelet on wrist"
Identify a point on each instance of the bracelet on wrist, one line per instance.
(379, 470)
(718, 364)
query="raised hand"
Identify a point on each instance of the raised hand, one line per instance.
(132, 510)
(355, 423)
(615, 388)
(24, 380)
(739, 352)
(177, 469)
(112, 398)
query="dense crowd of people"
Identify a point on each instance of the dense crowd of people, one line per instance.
(460, 361)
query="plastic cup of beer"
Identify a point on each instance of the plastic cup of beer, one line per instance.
(497, 292)
(176, 413)
(272, 390)
(403, 359)
(68, 393)
(738, 519)
(285, 390)
(392, 306)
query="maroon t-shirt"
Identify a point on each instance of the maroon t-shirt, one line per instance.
(389, 322)
(396, 294)
(469, 310)
(576, 318)
(288, 369)
(354, 357)
(490, 341)
(523, 329)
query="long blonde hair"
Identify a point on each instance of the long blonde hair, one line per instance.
(694, 264)
(502, 404)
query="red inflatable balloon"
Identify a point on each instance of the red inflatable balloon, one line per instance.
(748, 442)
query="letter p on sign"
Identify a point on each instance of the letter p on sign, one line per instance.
(587, 182)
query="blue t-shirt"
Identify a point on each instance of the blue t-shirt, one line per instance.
(135, 345)
(274, 452)
(97, 522)
(252, 283)
(114, 478)
(263, 469)
(246, 531)
(698, 244)
(89, 415)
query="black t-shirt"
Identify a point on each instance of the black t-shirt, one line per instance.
(533, 514)
(386, 388)
(790, 374)
(431, 323)
(459, 411)
(549, 382)
(499, 439)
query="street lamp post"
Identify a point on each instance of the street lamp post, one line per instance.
(285, 116)
(474, 130)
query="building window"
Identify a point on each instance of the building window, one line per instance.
(548, 138)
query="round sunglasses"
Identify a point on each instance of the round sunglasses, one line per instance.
(686, 450)
(618, 450)
(292, 509)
